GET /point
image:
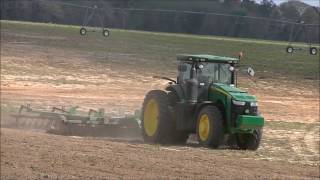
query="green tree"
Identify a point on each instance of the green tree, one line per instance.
(289, 12)
(310, 16)
(266, 7)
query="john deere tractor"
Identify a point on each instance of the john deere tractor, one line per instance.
(203, 100)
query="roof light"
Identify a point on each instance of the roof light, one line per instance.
(238, 103)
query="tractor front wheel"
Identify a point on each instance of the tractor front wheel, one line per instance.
(250, 141)
(210, 127)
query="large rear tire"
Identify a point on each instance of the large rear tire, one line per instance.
(155, 118)
(210, 127)
(249, 141)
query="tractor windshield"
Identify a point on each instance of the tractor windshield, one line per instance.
(216, 72)
(211, 72)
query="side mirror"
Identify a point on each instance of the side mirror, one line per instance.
(182, 68)
(250, 71)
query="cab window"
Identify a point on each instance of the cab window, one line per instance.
(216, 73)
(186, 74)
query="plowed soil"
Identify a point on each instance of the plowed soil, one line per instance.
(31, 155)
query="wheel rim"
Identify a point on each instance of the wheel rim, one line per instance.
(83, 31)
(204, 127)
(290, 50)
(313, 51)
(150, 117)
(106, 33)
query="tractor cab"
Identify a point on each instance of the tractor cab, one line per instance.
(213, 69)
(207, 69)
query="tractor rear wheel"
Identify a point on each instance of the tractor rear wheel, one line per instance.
(156, 120)
(250, 141)
(210, 127)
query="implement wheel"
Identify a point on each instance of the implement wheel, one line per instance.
(83, 31)
(313, 50)
(290, 49)
(156, 120)
(105, 32)
(210, 127)
(250, 141)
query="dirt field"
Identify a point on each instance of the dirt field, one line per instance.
(37, 155)
(38, 70)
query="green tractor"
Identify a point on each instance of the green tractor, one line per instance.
(205, 101)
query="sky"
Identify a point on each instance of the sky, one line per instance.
(310, 2)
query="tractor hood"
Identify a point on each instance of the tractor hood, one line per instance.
(235, 93)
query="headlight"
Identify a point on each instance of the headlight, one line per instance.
(253, 104)
(238, 103)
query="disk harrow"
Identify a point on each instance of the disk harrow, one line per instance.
(71, 121)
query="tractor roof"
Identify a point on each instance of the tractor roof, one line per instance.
(206, 58)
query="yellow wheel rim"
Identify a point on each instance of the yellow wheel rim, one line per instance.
(204, 127)
(150, 117)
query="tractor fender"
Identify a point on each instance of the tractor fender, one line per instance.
(201, 105)
(177, 89)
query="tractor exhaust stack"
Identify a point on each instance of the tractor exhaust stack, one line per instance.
(192, 86)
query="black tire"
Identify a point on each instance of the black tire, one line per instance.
(105, 32)
(163, 129)
(215, 134)
(290, 49)
(313, 51)
(83, 31)
(178, 137)
(231, 141)
(250, 141)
